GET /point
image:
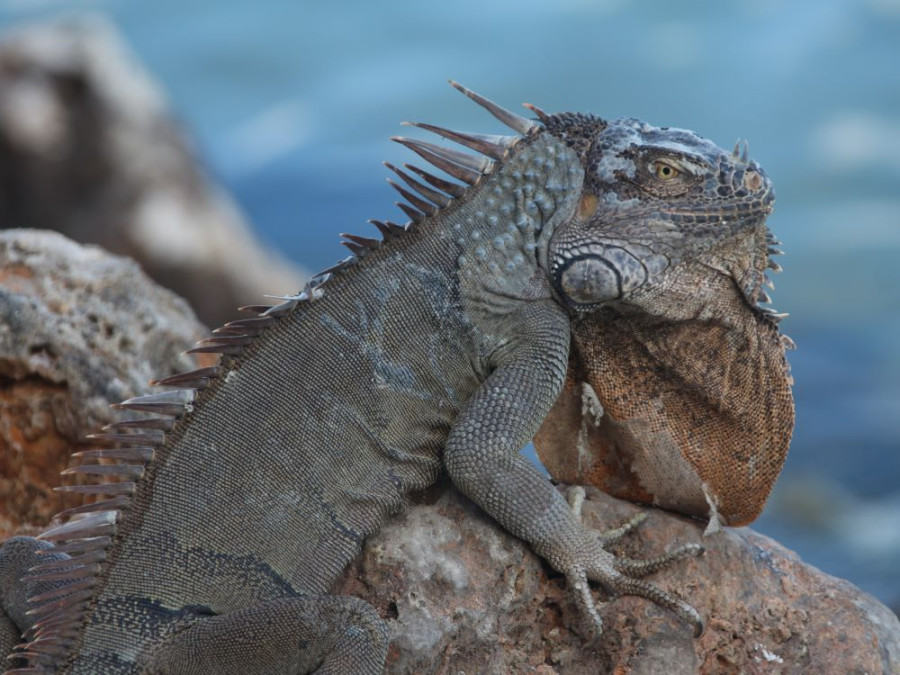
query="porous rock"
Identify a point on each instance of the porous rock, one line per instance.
(462, 596)
(79, 329)
(89, 148)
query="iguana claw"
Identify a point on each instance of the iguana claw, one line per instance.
(618, 575)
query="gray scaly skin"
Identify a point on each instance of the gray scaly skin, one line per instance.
(440, 348)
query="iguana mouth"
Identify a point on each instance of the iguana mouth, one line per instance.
(744, 209)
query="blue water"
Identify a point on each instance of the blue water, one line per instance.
(291, 103)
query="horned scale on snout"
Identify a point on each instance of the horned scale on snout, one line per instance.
(583, 275)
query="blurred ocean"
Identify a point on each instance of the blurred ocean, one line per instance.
(291, 103)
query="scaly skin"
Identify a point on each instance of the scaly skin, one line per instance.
(442, 349)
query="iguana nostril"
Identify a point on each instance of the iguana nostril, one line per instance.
(752, 180)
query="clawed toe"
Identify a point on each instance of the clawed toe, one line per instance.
(576, 496)
(639, 567)
(584, 600)
(626, 584)
(629, 586)
(616, 533)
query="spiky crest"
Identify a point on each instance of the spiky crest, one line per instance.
(86, 532)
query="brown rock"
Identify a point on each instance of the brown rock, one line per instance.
(464, 596)
(79, 329)
(89, 148)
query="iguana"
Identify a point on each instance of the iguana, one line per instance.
(222, 522)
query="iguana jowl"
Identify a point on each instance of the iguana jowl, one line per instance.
(441, 347)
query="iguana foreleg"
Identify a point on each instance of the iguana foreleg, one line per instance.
(322, 634)
(482, 457)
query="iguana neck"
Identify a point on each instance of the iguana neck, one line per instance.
(504, 229)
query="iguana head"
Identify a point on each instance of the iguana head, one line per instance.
(678, 391)
(653, 197)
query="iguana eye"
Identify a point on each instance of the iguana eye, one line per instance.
(664, 170)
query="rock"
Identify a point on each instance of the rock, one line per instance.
(464, 596)
(79, 329)
(89, 148)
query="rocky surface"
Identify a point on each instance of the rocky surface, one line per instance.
(89, 148)
(464, 597)
(79, 329)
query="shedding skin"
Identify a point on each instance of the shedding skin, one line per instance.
(443, 347)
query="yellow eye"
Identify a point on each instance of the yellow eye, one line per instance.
(665, 171)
